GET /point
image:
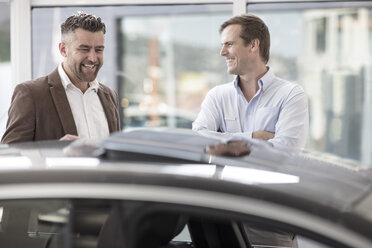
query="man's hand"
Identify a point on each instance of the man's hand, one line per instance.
(233, 148)
(69, 137)
(263, 135)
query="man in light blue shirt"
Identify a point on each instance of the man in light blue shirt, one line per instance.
(257, 104)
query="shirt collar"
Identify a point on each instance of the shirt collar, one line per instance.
(236, 81)
(94, 85)
(264, 82)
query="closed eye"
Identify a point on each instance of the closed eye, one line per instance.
(227, 44)
(84, 48)
(99, 49)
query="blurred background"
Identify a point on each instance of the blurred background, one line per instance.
(162, 58)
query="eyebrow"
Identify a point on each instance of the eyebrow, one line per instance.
(227, 42)
(86, 46)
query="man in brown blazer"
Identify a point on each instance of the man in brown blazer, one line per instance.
(68, 103)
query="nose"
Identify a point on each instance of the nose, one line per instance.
(92, 56)
(223, 51)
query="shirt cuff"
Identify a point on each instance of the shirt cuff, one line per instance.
(245, 135)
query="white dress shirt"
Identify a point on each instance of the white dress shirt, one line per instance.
(278, 106)
(87, 110)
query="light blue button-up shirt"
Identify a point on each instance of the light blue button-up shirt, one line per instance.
(278, 106)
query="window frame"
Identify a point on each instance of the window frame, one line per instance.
(21, 50)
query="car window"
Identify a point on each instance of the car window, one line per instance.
(304, 242)
(34, 223)
(113, 223)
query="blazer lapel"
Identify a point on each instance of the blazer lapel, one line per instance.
(61, 102)
(104, 97)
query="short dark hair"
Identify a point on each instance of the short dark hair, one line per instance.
(252, 28)
(84, 21)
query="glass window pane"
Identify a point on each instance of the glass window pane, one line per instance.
(169, 60)
(34, 223)
(162, 59)
(5, 67)
(65, 223)
(46, 36)
(326, 47)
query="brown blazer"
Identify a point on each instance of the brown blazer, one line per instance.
(40, 110)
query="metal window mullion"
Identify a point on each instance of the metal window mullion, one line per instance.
(44, 3)
(20, 36)
(239, 7)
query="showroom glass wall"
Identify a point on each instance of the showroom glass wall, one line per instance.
(162, 59)
(327, 48)
(5, 67)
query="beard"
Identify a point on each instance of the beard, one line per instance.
(85, 74)
(88, 75)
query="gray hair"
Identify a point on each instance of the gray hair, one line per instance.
(84, 21)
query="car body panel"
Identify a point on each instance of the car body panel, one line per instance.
(330, 197)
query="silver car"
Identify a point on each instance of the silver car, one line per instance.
(160, 188)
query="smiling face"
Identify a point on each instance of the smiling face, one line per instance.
(239, 57)
(83, 53)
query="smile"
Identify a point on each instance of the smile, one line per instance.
(228, 61)
(89, 66)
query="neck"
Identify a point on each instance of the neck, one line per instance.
(83, 86)
(248, 83)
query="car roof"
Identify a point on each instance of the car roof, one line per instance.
(329, 186)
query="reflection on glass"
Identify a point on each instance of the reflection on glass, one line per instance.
(4, 32)
(1, 216)
(5, 68)
(168, 63)
(326, 48)
(162, 59)
(29, 223)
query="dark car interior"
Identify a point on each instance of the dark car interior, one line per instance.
(85, 223)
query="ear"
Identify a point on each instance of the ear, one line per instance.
(255, 45)
(63, 49)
